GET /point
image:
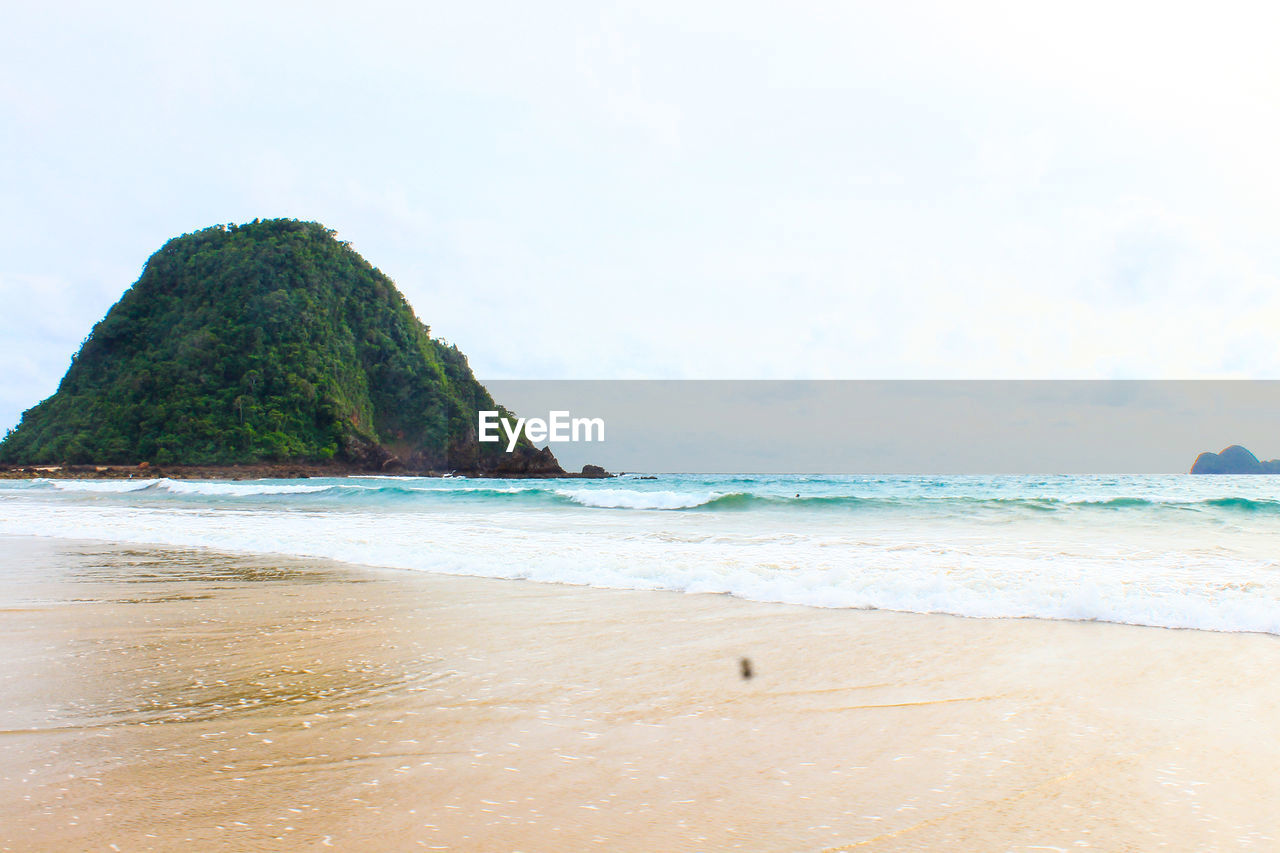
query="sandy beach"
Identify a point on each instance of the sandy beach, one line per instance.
(164, 699)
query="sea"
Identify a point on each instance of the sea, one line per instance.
(1197, 552)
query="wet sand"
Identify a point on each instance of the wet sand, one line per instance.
(160, 699)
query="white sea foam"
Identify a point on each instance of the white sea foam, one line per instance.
(94, 486)
(638, 499)
(258, 487)
(180, 487)
(1209, 571)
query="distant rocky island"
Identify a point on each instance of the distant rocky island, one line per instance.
(267, 346)
(1233, 460)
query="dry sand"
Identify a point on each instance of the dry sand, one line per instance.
(155, 699)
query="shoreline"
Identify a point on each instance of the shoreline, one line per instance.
(163, 697)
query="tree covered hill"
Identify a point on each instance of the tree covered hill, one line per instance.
(271, 341)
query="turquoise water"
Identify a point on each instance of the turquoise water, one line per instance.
(1175, 551)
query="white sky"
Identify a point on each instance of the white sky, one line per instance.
(732, 190)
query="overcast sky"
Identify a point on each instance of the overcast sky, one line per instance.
(903, 427)
(667, 190)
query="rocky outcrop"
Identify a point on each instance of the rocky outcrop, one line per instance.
(531, 463)
(1233, 460)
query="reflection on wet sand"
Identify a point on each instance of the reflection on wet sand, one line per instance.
(177, 565)
(178, 700)
(200, 696)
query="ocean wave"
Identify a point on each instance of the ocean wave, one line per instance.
(92, 486)
(253, 488)
(641, 499)
(1244, 504)
(736, 495)
(705, 499)
(269, 488)
(405, 493)
(201, 488)
(713, 500)
(1178, 552)
(1077, 572)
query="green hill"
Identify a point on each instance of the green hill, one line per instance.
(266, 342)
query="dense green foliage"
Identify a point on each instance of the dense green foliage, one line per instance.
(269, 341)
